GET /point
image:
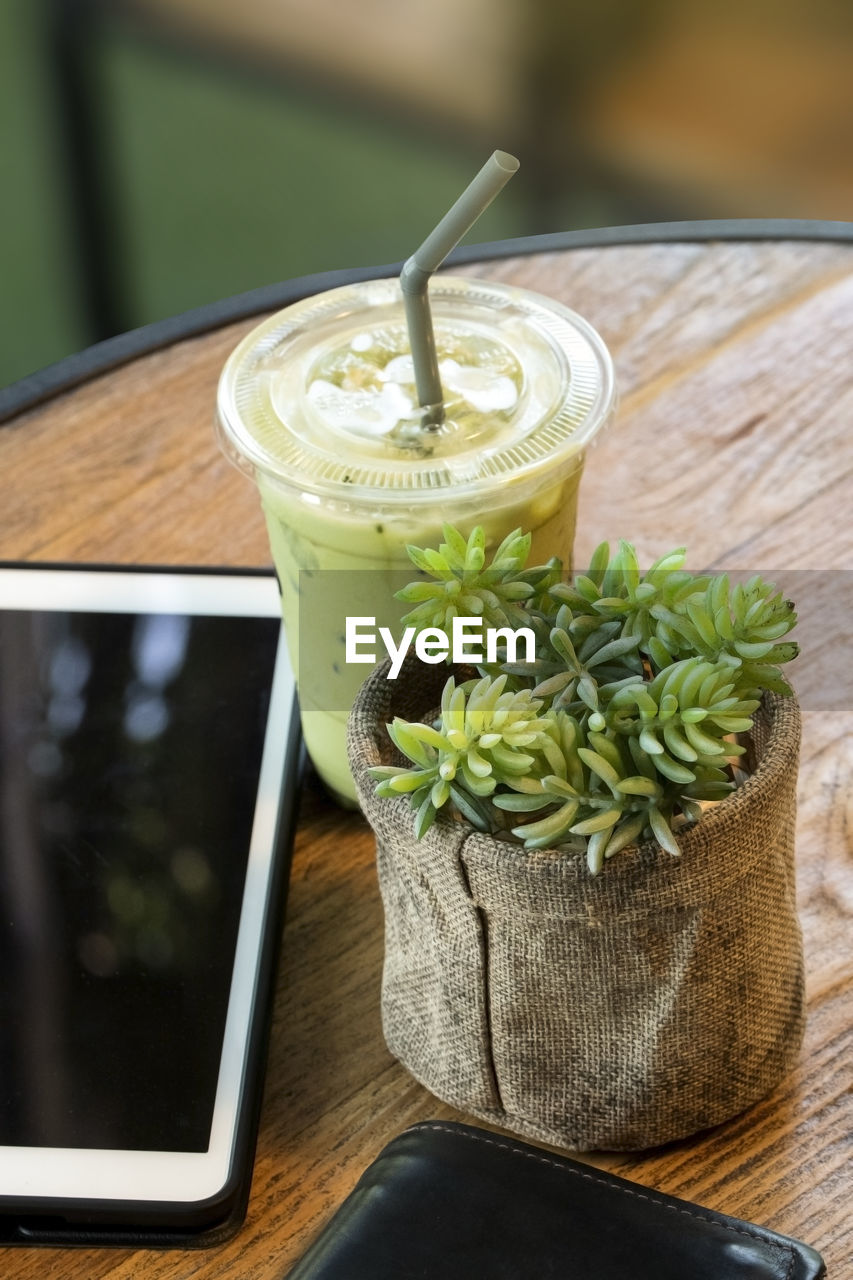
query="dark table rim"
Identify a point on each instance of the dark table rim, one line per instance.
(74, 370)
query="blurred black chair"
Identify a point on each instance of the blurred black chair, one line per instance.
(296, 46)
(515, 74)
(619, 112)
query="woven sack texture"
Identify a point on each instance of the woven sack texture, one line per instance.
(619, 1011)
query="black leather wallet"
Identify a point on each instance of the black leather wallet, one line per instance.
(450, 1202)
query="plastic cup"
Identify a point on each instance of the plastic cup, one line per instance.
(318, 404)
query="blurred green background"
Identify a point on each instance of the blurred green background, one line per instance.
(230, 148)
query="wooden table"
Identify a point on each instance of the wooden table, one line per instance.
(734, 362)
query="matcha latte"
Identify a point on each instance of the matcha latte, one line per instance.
(318, 403)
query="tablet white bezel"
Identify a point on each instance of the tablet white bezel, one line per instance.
(182, 1177)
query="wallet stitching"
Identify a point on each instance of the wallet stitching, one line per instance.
(626, 1190)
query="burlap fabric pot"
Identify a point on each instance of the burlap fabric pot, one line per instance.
(618, 1011)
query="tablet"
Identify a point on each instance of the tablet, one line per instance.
(148, 762)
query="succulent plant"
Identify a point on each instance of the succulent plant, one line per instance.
(479, 740)
(625, 721)
(462, 584)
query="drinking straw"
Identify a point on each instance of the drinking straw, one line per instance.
(414, 278)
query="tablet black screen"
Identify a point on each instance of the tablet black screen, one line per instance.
(130, 748)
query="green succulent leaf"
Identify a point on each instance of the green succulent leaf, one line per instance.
(424, 818)
(596, 849)
(599, 766)
(548, 830)
(673, 769)
(471, 808)
(627, 832)
(678, 744)
(639, 785)
(513, 803)
(599, 562)
(602, 821)
(663, 832)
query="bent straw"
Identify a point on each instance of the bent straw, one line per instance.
(414, 278)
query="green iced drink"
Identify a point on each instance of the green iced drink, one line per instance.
(319, 404)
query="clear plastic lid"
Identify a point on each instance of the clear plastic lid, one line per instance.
(321, 395)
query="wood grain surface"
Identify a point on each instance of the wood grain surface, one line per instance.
(733, 437)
